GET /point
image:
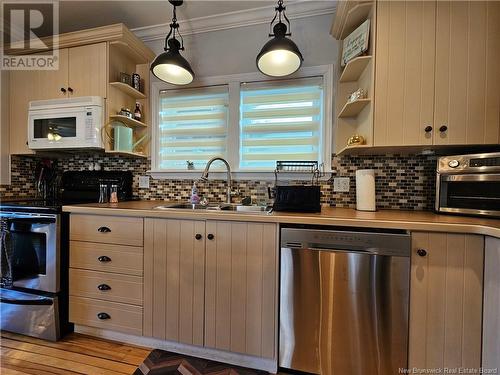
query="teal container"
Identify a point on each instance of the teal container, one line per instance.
(123, 137)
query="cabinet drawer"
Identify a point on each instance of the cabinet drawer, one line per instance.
(107, 229)
(109, 287)
(113, 258)
(119, 317)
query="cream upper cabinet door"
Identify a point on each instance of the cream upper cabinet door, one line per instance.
(53, 84)
(446, 291)
(23, 86)
(404, 73)
(467, 107)
(28, 85)
(88, 70)
(241, 287)
(174, 263)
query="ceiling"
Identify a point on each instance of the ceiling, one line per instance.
(78, 15)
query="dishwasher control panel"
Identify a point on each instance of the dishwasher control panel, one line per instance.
(376, 243)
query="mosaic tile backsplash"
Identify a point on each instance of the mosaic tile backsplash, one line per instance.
(402, 181)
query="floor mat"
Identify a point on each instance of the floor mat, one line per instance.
(160, 362)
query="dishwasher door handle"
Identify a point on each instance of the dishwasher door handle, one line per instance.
(337, 250)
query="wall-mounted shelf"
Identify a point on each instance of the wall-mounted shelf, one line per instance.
(129, 90)
(132, 53)
(128, 121)
(352, 109)
(126, 153)
(355, 17)
(354, 68)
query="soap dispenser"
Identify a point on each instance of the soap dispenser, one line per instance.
(195, 198)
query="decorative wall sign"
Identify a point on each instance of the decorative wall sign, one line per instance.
(356, 43)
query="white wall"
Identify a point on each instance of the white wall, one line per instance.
(233, 51)
(4, 129)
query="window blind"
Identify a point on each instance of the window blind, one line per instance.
(192, 126)
(280, 121)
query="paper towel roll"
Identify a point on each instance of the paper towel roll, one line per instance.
(365, 190)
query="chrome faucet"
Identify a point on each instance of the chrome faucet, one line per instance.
(204, 175)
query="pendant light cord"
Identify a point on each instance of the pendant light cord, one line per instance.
(279, 10)
(174, 29)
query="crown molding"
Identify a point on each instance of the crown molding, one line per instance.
(230, 20)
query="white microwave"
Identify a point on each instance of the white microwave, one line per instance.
(66, 123)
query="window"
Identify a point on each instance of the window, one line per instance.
(249, 122)
(280, 121)
(192, 126)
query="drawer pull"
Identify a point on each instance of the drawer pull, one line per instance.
(103, 287)
(103, 230)
(103, 316)
(104, 259)
(421, 252)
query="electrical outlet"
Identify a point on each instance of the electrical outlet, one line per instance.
(144, 182)
(341, 184)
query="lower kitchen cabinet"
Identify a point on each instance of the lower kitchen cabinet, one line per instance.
(491, 317)
(211, 284)
(446, 300)
(174, 272)
(241, 287)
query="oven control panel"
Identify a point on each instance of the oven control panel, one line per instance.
(476, 163)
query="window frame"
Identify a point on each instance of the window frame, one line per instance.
(233, 83)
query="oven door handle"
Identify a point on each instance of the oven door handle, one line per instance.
(31, 302)
(471, 177)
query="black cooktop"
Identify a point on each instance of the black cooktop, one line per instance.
(34, 205)
(77, 187)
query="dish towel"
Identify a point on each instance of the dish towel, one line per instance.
(5, 254)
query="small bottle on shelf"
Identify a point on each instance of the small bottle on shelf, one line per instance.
(137, 112)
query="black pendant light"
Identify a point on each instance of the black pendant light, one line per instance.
(280, 56)
(170, 66)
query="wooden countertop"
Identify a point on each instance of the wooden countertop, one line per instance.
(393, 219)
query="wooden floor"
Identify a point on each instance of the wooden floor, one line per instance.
(75, 354)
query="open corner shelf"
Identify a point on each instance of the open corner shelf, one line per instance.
(355, 17)
(353, 150)
(129, 90)
(126, 153)
(352, 109)
(354, 68)
(128, 121)
(128, 51)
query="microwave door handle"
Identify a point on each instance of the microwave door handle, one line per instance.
(471, 177)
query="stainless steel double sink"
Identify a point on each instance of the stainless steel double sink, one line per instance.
(212, 207)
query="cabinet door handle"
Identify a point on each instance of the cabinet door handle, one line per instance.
(428, 129)
(421, 252)
(103, 287)
(104, 259)
(103, 229)
(443, 128)
(63, 90)
(198, 236)
(210, 236)
(70, 90)
(103, 316)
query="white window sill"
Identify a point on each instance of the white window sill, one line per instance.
(236, 175)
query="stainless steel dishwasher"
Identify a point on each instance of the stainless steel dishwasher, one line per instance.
(344, 298)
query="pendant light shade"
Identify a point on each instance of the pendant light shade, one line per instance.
(170, 66)
(280, 56)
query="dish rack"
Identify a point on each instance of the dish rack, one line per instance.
(297, 198)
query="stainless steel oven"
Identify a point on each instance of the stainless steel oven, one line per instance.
(35, 250)
(469, 184)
